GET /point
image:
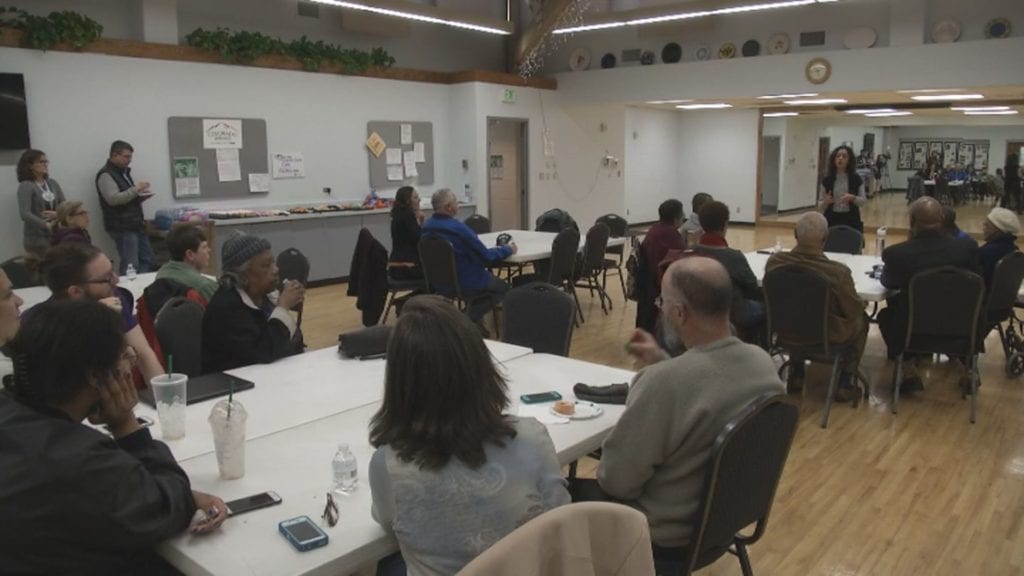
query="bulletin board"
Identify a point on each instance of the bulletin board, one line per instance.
(391, 134)
(185, 135)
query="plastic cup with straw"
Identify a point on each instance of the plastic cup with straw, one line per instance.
(170, 395)
(228, 423)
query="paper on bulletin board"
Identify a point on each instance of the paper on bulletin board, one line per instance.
(287, 165)
(186, 177)
(395, 173)
(409, 160)
(406, 133)
(376, 144)
(222, 133)
(394, 156)
(228, 167)
(419, 152)
(259, 182)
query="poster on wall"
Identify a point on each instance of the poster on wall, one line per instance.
(905, 160)
(497, 167)
(221, 134)
(920, 154)
(981, 156)
(965, 154)
(186, 177)
(949, 150)
(287, 165)
(935, 150)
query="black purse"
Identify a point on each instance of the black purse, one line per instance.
(610, 394)
(366, 343)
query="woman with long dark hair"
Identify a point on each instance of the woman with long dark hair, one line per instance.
(38, 198)
(406, 218)
(453, 473)
(842, 190)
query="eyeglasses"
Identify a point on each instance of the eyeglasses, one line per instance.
(110, 278)
(330, 514)
(42, 161)
(79, 212)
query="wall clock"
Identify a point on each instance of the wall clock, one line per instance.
(818, 71)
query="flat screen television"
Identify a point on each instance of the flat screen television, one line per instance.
(13, 113)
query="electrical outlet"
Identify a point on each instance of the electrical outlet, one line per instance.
(738, 210)
(327, 189)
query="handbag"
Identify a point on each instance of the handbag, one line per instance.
(610, 394)
(365, 343)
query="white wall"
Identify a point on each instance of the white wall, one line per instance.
(718, 155)
(652, 146)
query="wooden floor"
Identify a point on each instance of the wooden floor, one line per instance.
(924, 492)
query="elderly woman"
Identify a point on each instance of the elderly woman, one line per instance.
(1000, 230)
(38, 198)
(242, 324)
(10, 304)
(72, 224)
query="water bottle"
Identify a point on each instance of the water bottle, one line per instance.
(130, 272)
(880, 241)
(346, 469)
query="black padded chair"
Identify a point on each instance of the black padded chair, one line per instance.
(618, 227)
(562, 266)
(796, 304)
(942, 192)
(591, 266)
(179, 328)
(396, 287)
(478, 223)
(1002, 296)
(293, 265)
(845, 239)
(19, 274)
(945, 305)
(539, 316)
(742, 476)
(437, 259)
(555, 220)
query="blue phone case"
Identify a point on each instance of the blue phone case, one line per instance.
(540, 397)
(302, 545)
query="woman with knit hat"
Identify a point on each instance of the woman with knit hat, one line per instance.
(242, 324)
(1000, 229)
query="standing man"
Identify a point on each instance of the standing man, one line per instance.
(121, 200)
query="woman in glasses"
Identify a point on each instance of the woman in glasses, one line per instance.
(72, 224)
(38, 198)
(453, 473)
(74, 499)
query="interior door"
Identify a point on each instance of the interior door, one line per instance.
(771, 172)
(505, 160)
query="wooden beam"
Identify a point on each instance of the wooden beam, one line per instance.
(534, 35)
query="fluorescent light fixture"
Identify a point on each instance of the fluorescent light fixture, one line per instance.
(815, 101)
(992, 113)
(669, 101)
(947, 97)
(658, 14)
(781, 114)
(889, 114)
(422, 13)
(930, 91)
(870, 110)
(979, 108)
(709, 106)
(782, 96)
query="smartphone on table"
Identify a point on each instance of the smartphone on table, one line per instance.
(303, 533)
(254, 502)
(540, 397)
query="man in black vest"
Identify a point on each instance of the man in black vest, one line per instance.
(121, 200)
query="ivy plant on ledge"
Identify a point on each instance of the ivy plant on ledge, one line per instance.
(45, 32)
(245, 47)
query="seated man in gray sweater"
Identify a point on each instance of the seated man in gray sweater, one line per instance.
(655, 457)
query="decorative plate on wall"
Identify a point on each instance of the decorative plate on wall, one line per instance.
(703, 53)
(647, 58)
(862, 37)
(671, 53)
(778, 43)
(997, 28)
(818, 71)
(727, 50)
(946, 30)
(751, 48)
(608, 60)
(579, 60)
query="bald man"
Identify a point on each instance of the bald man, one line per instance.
(655, 457)
(847, 323)
(928, 247)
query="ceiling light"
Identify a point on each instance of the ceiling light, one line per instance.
(870, 110)
(991, 113)
(929, 90)
(812, 101)
(658, 15)
(781, 114)
(711, 106)
(888, 114)
(421, 13)
(979, 108)
(781, 96)
(669, 101)
(950, 97)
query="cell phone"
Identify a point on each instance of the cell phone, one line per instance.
(303, 533)
(540, 397)
(254, 502)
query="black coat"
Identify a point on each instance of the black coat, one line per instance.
(236, 335)
(368, 277)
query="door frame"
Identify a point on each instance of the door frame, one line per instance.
(524, 166)
(761, 171)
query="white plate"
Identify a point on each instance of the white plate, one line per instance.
(778, 44)
(703, 53)
(579, 60)
(584, 411)
(862, 37)
(946, 30)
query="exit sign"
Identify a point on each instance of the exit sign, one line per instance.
(509, 97)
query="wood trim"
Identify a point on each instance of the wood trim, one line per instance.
(11, 38)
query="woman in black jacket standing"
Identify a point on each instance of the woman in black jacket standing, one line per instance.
(842, 190)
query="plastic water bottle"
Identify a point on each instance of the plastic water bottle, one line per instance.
(346, 470)
(880, 241)
(130, 272)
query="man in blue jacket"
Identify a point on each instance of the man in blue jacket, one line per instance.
(471, 256)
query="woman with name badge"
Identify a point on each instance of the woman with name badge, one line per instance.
(38, 198)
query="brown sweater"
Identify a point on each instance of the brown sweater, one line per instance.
(655, 458)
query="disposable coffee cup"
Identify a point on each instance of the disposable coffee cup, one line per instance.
(170, 394)
(229, 437)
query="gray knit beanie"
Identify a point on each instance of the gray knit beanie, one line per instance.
(240, 248)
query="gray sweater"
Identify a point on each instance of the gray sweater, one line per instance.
(655, 457)
(31, 206)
